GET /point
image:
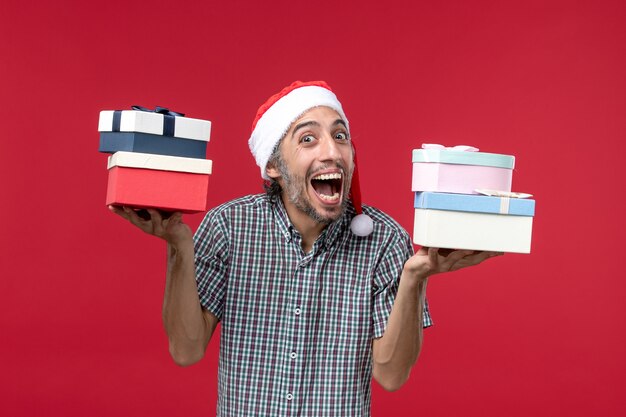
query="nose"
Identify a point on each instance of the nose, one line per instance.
(329, 149)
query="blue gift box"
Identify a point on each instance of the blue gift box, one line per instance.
(111, 142)
(475, 203)
(473, 222)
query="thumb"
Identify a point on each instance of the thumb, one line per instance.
(423, 251)
(433, 253)
(176, 219)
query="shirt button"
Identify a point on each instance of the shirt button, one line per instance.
(297, 311)
(293, 355)
(289, 396)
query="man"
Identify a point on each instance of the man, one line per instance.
(310, 307)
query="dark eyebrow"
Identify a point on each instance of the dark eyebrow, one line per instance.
(316, 124)
(340, 122)
(304, 124)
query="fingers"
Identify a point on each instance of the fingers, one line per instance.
(473, 259)
(118, 210)
(162, 221)
(121, 211)
(449, 262)
(132, 216)
(458, 254)
(445, 252)
(165, 225)
(441, 257)
(435, 260)
(481, 256)
(442, 260)
(175, 218)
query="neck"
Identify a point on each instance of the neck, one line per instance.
(308, 228)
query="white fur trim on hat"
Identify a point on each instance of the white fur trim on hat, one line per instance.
(277, 120)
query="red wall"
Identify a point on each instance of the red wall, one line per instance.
(523, 335)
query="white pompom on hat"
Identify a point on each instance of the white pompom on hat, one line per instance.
(273, 120)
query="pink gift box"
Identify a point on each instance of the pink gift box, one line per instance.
(447, 170)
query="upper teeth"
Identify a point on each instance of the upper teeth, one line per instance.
(334, 176)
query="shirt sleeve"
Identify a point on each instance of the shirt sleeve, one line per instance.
(386, 282)
(211, 248)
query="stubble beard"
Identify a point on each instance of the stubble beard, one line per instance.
(295, 189)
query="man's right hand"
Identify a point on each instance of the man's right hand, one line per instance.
(171, 229)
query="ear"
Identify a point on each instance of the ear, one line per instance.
(272, 171)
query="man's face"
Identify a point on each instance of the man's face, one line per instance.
(316, 164)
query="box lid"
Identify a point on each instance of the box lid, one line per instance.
(154, 123)
(475, 203)
(463, 157)
(160, 162)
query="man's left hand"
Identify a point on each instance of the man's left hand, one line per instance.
(430, 261)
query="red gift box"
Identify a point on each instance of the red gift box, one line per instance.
(165, 182)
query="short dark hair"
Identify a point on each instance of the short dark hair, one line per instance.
(273, 190)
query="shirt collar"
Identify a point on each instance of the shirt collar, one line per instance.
(327, 237)
(282, 220)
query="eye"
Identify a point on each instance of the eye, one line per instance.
(307, 138)
(341, 136)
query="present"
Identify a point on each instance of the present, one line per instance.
(160, 121)
(111, 142)
(473, 222)
(461, 169)
(169, 183)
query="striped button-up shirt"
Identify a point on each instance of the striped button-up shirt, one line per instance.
(296, 327)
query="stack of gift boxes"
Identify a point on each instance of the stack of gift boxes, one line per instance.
(158, 159)
(463, 200)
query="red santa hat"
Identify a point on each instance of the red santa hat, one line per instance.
(273, 120)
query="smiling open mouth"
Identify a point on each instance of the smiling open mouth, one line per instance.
(328, 186)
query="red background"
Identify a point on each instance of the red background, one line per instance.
(80, 290)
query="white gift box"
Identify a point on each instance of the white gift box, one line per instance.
(154, 123)
(473, 222)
